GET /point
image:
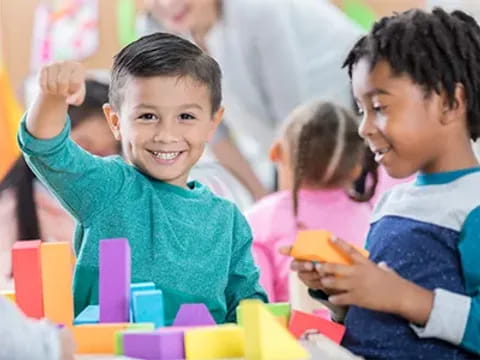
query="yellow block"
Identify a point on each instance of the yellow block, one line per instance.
(282, 320)
(96, 338)
(9, 294)
(265, 337)
(315, 245)
(57, 282)
(214, 342)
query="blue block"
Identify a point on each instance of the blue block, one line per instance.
(90, 315)
(147, 306)
(142, 286)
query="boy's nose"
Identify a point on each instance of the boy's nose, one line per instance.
(366, 127)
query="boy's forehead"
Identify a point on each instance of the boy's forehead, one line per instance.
(365, 78)
(165, 90)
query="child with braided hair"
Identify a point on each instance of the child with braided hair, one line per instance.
(318, 156)
(416, 80)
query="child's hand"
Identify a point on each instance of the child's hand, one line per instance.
(67, 345)
(374, 287)
(64, 80)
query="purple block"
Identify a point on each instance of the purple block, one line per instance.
(115, 276)
(164, 344)
(193, 315)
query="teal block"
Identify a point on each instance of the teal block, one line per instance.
(90, 315)
(147, 306)
(141, 286)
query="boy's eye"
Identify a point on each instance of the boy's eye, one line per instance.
(378, 108)
(148, 116)
(186, 117)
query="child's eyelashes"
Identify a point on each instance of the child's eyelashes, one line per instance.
(186, 116)
(148, 117)
(378, 108)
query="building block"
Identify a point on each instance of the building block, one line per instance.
(315, 245)
(140, 327)
(193, 315)
(215, 342)
(300, 322)
(115, 275)
(148, 307)
(141, 287)
(265, 337)
(57, 274)
(96, 338)
(281, 311)
(27, 274)
(89, 315)
(164, 344)
(9, 294)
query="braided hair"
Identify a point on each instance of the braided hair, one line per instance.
(325, 147)
(438, 50)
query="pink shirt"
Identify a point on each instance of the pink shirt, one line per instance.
(273, 226)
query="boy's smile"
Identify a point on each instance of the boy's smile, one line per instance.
(163, 124)
(407, 129)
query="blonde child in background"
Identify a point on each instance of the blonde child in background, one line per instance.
(28, 339)
(318, 156)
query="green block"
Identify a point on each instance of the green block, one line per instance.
(359, 12)
(277, 310)
(130, 328)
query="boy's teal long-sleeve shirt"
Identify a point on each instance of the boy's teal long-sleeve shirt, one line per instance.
(194, 245)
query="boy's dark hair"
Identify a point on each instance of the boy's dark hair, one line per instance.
(21, 179)
(438, 50)
(325, 147)
(163, 54)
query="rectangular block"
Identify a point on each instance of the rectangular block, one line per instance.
(9, 294)
(57, 282)
(301, 322)
(90, 315)
(140, 327)
(148, 306)
(215, 342)
(315, 245)
(158, 345)
(281, 311)
(139, 287)
(97, 338)
(115, 276)
(27, 274)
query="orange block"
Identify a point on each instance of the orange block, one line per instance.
(27, 276)
(282, 320)
(97, 338)
(57, 282)
(315, 245)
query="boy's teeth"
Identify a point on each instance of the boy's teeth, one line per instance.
(166, 156)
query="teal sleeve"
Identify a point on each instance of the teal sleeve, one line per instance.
(243, 277)
(469, 248)
(85, 184)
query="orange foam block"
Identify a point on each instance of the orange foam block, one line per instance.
(26, 265)
(97, 338)
(301, 322)
(315, 245)
(57, 282)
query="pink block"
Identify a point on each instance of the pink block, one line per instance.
(115, 278)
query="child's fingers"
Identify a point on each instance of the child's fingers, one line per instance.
(301, 266)
(285, 250)
(334, 269)
(342, 299)
(52, 74)
(335, 283)
(349, 250)
(44, 79)
(63, 80)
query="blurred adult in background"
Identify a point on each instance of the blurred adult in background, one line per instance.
(275, 55)
(27, 210)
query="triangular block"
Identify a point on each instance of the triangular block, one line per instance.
(193, 315)
(265, 337)
(301, 322)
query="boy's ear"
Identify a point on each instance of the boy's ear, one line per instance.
(457, 110)
(113, 120)
(216, 120)
(276, 152)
